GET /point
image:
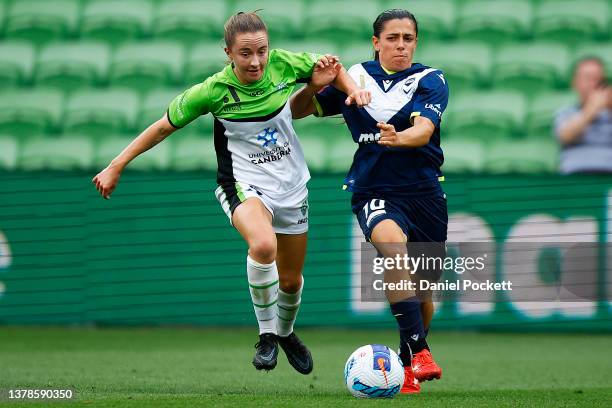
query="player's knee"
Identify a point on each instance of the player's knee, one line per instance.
(290, 285)
(263, 250)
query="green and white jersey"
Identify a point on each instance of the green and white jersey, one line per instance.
(253, 132)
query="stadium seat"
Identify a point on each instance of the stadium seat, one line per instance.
(531, 68)
(154, 106)
(72, 65)
(204, 60)
(487, 115)
(100, 112)
(315, 151)
(462, 155)
(600, 50)
(317, 47)
(542, 109)
(144, 66)
(16, 63)
(56, 154)
(529, 156)
(281, 24)
(8, 152)
(356, 54)
(193, 153)
(573, 22)
(341, 154)
(40, 21)
(436, 18)
(189, 21)
(115, 21)
(494, 22)
(465, 64)
(157, 158)
(340, 21)
(25, 113)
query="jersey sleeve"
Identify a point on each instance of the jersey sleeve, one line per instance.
(431, 98)
(328, 101)
(189, 105)
(302, 63)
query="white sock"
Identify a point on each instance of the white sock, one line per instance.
(288, 306)
(263, 285)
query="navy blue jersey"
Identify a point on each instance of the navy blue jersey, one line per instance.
(396, 99)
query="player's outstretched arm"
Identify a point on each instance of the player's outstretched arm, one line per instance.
(107, 179)
(325, 71)
(415, 136)
(356, 95)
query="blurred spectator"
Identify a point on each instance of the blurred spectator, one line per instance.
(585, 130)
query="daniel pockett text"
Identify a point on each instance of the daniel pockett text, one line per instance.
(481, 271)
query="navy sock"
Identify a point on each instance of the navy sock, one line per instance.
(427, 344)
(410, 322)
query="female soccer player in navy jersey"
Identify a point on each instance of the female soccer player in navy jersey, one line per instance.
(395, 173)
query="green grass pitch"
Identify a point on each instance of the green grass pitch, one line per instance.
(184, 367)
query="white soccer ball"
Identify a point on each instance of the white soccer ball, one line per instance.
(374, 371)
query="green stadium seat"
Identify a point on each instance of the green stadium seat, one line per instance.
(154, 106)
(116, 21)
(40, 21)
(16, 63)
(316, 47)
(315, 151)
(281, 23)
(56, 154)
(189, 21)
(531, 68)
(356, 54)
(73, 65)
(542, 109)
(204, 60)
(574, 22)
(193, 153)
(465, 64)
(100, 112)
(529, 156)
(8, 152)
(462, 155)
(494, 21)
(25, 113)
(341, 152)
(601, 50)
(144, 66)
(436, 18)
(157, 158)
(486, 115)
(340, 21)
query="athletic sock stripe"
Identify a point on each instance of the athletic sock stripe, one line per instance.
(289, 309)
(263, 286)
(265, 306)
(282, 318)
(265, 320)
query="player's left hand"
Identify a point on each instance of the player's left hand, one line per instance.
(388, 135)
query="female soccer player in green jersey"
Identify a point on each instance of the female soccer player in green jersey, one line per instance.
(261, 174)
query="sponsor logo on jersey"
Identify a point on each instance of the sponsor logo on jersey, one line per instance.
(434, 107)
(268, 136)
(387, 83)
(233, 107)
(281, 86)
(369, 137)
(258, 92)
(270, 156)
(303, 221)
(406, 87)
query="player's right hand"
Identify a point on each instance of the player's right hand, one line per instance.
(599, 100)
(106, 181)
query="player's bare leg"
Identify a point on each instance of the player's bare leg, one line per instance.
(290, 260)
(254, 222)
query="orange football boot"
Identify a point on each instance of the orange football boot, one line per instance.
(411, 384)
(424, 366)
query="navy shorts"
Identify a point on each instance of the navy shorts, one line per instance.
(422, 217)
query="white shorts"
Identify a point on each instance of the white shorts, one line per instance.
(289, 212)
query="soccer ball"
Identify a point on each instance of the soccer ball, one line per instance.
(374, 371)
